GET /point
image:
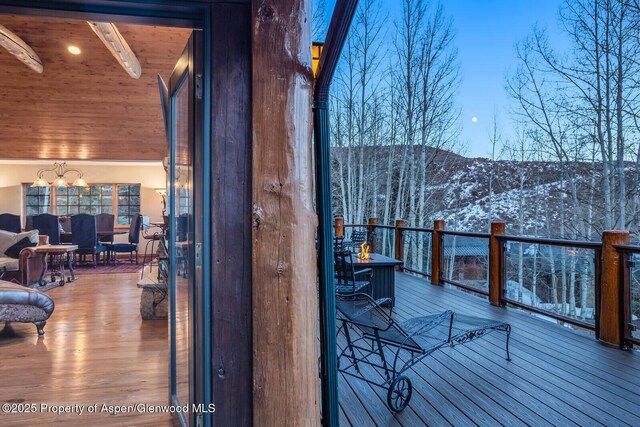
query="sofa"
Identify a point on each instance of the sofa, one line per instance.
(21, 304)
(27, 267)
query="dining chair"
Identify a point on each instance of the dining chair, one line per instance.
(105, 222)
(84, 233)
(28, 223)
(132, 245)
(47, 225)
(10, 222)
(65, 230)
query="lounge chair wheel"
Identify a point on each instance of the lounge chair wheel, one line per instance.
(399, 393)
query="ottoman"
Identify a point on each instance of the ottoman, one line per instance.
(20, 304)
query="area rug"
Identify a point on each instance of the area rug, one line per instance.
(46, 287)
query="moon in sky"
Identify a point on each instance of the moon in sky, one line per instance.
(474, 119)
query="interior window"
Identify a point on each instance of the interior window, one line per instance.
(123, 199)
(128, 202)
(37, 200)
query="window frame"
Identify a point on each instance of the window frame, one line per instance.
(116, 196)
(114, 199)
(26, 205)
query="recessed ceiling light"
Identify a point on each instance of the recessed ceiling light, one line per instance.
(74, 50)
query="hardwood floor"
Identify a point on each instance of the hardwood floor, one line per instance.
(96, 350)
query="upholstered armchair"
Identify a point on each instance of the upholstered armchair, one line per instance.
(29, 268)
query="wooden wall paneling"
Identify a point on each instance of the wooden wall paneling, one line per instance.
(285, 305)
(231, 316)
(85, 106)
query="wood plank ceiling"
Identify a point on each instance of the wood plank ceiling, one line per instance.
(85, 106)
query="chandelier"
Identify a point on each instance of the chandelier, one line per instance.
(60, 170)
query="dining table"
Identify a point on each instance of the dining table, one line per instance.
(101, 234)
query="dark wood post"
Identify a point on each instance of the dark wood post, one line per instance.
(230, 182)
(437, 252)
(285, 299)
(496, 264)
(339, 226)
(399, 242)
(611, 316)
(371, 229)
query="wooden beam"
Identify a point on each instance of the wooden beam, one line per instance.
(285, 317)
(114, 41)
(611, 320)
(20, 49)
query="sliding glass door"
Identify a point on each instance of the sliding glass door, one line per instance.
(185, 237)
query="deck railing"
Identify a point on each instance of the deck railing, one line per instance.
(630, 295)
(593, 285)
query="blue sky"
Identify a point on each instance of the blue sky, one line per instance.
(487, 31)
(486, 34)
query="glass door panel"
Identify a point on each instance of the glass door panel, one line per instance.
(182, 277)
(185, 236)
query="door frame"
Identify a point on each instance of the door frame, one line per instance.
(171, 13)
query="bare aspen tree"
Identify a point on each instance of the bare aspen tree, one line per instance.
(319, 20)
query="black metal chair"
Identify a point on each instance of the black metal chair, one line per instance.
(10, 222)
(134, 239)
(105, 222)
(183, 234)
(47, 225)
(389, 348)
(84, 233)
(151, 236)
(357, 238)
(348, 281)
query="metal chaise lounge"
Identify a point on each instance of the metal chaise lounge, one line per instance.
(388, 348)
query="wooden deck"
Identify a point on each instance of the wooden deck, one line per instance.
(557, 376)
(96, 349)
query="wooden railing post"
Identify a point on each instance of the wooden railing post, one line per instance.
(437, 252)
(371, 229)
(339, 226)
(610, 315)
(399, 242)
(496, 264)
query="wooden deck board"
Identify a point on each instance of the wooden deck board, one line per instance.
(488, 361)
(96, 349)
(572, 379)
(557, 376)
